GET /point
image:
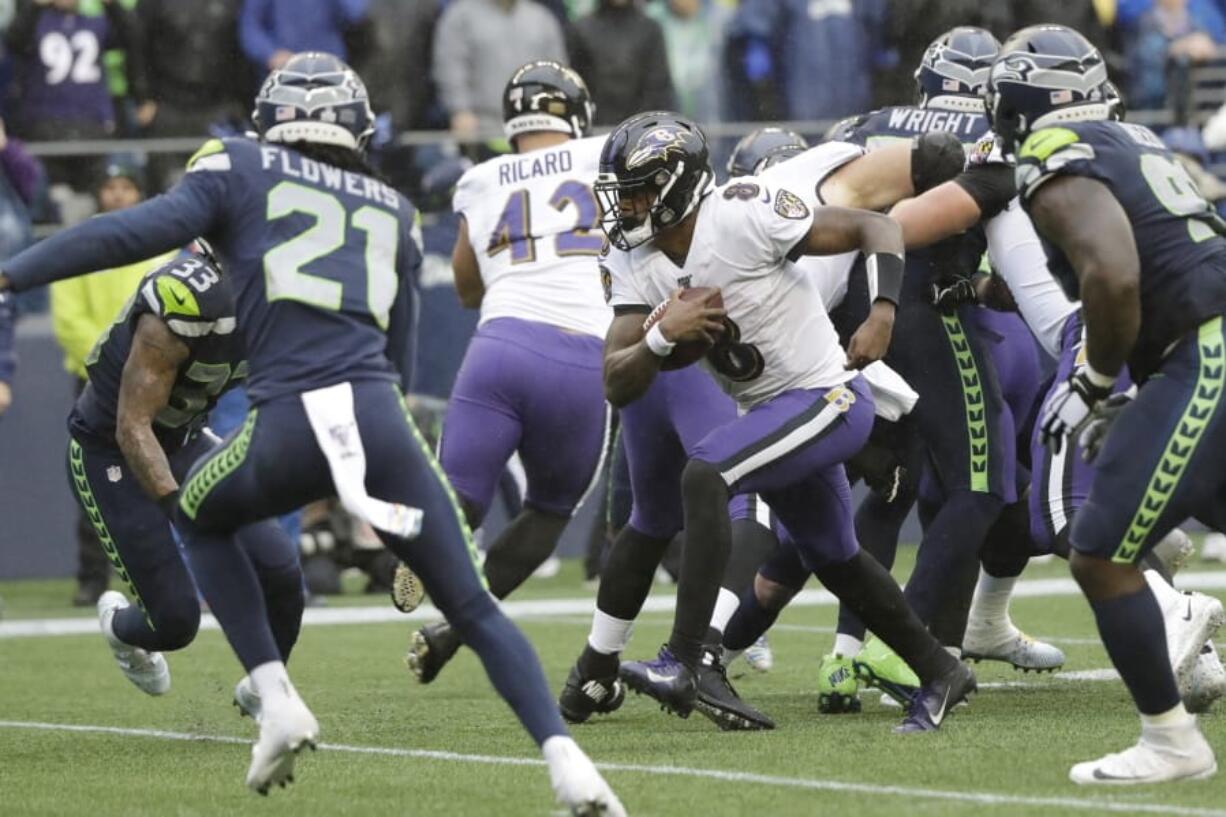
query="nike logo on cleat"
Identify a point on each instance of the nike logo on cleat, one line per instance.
(1099, 774)
(1188, 615)
(596, 691)
(656, 678)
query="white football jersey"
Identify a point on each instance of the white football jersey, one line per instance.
(534, 224)
(744, 242)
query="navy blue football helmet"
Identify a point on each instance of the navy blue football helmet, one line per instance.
(314, 98)
(546, 96)
(764, 147)
(954, 71)
(1045, 75)
(661, 153)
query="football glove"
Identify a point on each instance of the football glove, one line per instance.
(950, 293)
(1094, 434)
(1069, 408)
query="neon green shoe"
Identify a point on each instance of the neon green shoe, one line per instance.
(837, 687)
(879, 666)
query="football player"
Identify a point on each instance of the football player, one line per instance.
(530, 382)
(323, 259)
(1129, 234)
(803, 412)
(134, 432)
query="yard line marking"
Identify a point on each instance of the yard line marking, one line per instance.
(815, 784)
(549, 608)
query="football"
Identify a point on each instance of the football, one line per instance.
(685, 353)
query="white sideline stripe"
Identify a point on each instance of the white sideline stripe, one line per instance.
(546, 608)
(816, 784)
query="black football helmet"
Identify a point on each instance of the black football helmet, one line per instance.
(546, 95)
(1045, 75)
(764, 147)
(314, 98)
(659, 152)
(954, 72)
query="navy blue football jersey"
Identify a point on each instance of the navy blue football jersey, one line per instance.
(956, 256)
(193, 299)
(1178, 234)
(322, 262)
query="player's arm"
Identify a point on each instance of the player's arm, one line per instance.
(1084, 219)
(468, 283)
(880, 178)
(148, 378)
(633, 356)
(879, 238)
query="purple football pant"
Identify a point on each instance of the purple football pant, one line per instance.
(661, 431)
(791, 451)
(532, 388)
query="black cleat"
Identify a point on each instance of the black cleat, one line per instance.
(430, 649)
(937, 698)
(666, 679)
(719, 702)
(583, 697)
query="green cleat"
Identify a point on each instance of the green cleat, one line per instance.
(837, 686)
(879, 666)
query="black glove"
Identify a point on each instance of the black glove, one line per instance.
(1094, 434)
(950, 293)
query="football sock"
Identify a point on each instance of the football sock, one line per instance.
(521, 548)
(1133, 631)
(275, 559)
(846, 645)
(947, 563)
(878, 523)
(609, 635)
(748, 623)
(752, 544)
(708, 533)
(990, 608)
(864, 585)
(1008, 546)
(628, 573)
(725, 606)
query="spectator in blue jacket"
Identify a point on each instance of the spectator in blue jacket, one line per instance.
(1167, 33)
(271, 31)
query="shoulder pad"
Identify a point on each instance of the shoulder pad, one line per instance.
(213, 155)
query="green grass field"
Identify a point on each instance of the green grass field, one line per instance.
(394, 747)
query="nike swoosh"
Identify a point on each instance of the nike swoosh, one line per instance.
(1099, 774)
(1188, 615)
(180, 301)
(939, 715)
(655, 678)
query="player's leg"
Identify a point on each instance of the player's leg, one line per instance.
(1161, 463)
(401, 469)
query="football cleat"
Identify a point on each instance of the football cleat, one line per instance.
(430, 649)
(286, 727)
(666, 679)
(147, 670)
(719, 702)
(837, 686)
(1206, 682)
(1191, 619)
(583, 697)
(1154, 759)
(576, 782)
(879, 666)
(247, 699)
(407, 590)
(1010, 645)
(759, 655)
(936, 699)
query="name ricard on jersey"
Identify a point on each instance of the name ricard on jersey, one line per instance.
(516, 170)
(924, 121)
(300, 167)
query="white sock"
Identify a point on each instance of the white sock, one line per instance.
(1174, 719)
(846, 645)
(990, 608)
(271, 681)
(730, 656)
(956, 652)
(609, 635)
(1166, 595)
(725, 606)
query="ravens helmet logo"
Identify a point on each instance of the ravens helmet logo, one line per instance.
(657, 143)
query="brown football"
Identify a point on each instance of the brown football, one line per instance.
(685, 353)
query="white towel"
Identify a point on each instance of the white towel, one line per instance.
(330, 413)
(892, 395)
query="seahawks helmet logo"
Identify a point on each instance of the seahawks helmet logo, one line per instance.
(658, 143)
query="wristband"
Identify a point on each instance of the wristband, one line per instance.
(887, 269)
(1098, 379)
(657, 343)
(169, 502)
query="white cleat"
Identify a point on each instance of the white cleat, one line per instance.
(247, 699)
(1010, 645)
(576, 782)
(1191, 619)
(147, 670)
(760, 656)
(1155, 758)
(285, 729)
(1206, 682)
